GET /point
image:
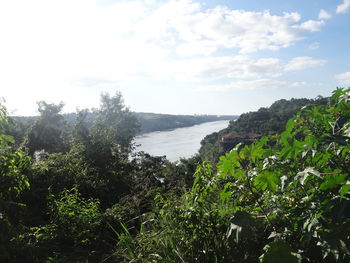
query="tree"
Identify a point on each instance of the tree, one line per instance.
(105, 148)
(48, 132)
(115, 123)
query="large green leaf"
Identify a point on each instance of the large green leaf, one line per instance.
(240, 222)
(345, 189)
(332, 180)
(278, 252)
(267, 180)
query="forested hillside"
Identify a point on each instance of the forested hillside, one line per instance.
(159, 122)
(82, 195)
(265, 121)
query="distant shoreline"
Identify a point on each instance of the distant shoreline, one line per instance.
(172, 129)
(150, 122)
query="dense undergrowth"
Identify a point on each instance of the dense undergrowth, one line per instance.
(284, 198)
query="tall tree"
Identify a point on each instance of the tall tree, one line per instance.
(105, 148)
(48, 131)
(115, 123)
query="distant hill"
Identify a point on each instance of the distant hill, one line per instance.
(160, 122)
(149, 121)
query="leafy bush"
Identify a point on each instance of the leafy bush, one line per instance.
(72, 230)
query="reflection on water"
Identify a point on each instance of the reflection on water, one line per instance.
(181, 142)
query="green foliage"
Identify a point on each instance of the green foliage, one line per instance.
(266, 121)
(4, 120)
(115, 123)
(197, 228)
(72, 229)
(48, 132)
(278, 251)
(13, 183)
(282, 202)
(73, 216)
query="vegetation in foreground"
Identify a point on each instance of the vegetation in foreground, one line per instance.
(284, 198)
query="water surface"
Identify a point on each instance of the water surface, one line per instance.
(177, 143)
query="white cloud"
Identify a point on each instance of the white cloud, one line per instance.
(343, 8)
(264, 67)
(204, 47)
(344, 78)
(314, 46)
(80, 38)
(216, 68)
(196, 31)
(243, 30)
(311, 25)
(252, 85)
(84, 45)
(323, 14)
(94, 82)
(228, 67)
(299, 63)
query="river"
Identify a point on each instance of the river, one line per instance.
(177, 143)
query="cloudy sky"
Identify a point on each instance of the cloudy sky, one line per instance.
(178, 56)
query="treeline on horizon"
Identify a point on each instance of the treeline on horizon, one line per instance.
(78, 192)
(149, 122)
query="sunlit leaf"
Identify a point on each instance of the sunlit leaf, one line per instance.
(344, 189)
(332, 180)
(266, 180)
(302, 176)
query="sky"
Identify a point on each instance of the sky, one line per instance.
(177, 57)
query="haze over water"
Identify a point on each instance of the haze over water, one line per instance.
(178, 143)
